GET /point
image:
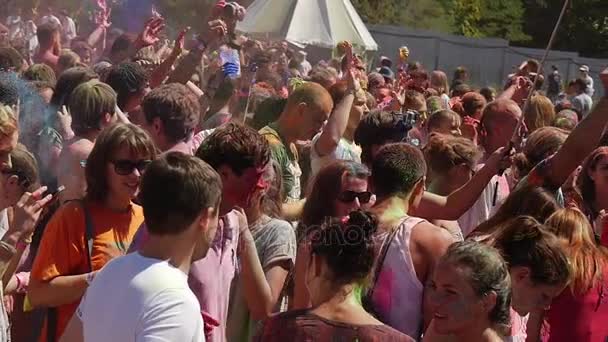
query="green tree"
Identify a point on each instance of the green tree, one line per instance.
(466, 15)
(584, 28)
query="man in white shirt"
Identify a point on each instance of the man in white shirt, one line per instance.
(144, 296)
(68, 31)
(584, 74)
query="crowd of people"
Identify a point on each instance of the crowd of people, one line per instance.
(221, 188)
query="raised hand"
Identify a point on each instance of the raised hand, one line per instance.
(151, 32)
(178, 48)
(27, 212)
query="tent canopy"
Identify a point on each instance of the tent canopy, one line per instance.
(322, 23)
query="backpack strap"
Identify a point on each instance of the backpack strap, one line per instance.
(89, 235)
(367, 297)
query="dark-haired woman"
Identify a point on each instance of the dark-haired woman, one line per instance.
(61, 272)
(338, 189)
(469, 294)
(538, 266)
(592, 188)
(335, 268)
(533, 201)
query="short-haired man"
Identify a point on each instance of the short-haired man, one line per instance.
(131, 83)
(307, 110)
(171, 114)
(92, 107)
(145, 296)
(49, 38)
(240, 155)
(398, 180)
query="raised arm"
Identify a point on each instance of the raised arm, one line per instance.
(160, 73)
(261, 289)
(187, 65)
(453, 206)
(581, 142)
(338, 121)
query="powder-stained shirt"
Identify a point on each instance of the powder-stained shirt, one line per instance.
(287, 158)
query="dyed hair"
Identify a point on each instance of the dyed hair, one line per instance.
(396, 170)
(89, 103)
(525, 242)
(107, 144)
(540, 113)
(529, 200)
(40, 72)
(443, 152)
(176, 107)
(486, 272)
(175, 189)
(347, 247)
(541, 144)
(8, 121)
(588, 260)
(324, 191)
(236, 146)
(585, 185)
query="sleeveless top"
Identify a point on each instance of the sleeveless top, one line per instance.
(397, 296)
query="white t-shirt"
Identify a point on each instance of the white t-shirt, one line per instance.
(134, 298)
(345, 150)
(484, 208)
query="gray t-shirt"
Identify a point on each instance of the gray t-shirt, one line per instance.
(275, 240)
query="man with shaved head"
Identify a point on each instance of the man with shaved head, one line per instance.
(307, 109)
(499, 120)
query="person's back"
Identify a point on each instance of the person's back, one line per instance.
(130, 289)
(413, 245)
(303, 325)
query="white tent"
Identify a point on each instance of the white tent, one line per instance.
(322, 23)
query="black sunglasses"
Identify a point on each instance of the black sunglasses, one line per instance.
(349, 196)
(126, 167)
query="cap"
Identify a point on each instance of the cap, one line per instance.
(385, 61)
(302, 53)
(387, 73)
(584, 68)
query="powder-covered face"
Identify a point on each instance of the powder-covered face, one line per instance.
(455, 305)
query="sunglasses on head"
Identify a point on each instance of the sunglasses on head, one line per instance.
(126, 167)
(350, 196)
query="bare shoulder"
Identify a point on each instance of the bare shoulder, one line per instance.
(431, 238)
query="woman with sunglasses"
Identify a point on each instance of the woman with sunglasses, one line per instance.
(338, 189)
(340, 259)
(66, 262)
(451, 161)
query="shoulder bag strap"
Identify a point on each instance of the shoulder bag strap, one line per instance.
(51, 325)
